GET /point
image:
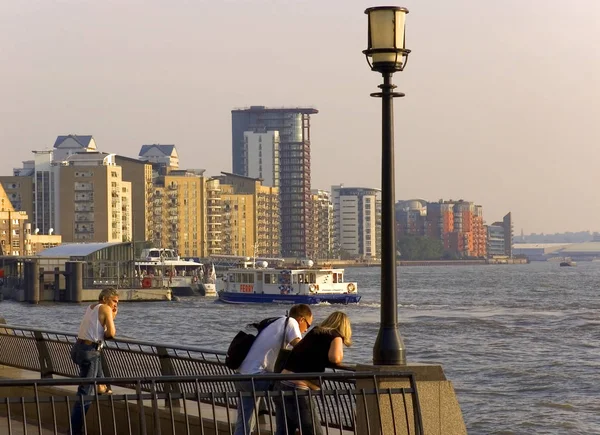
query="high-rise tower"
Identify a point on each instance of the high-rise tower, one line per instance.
(293, 127)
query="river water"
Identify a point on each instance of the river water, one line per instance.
(521, 343)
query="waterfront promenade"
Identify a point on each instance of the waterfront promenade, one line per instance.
(350, 398)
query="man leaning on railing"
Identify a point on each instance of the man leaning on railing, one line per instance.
(262, 357)
(96, 326)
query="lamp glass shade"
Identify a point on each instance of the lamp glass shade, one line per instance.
(386, 27)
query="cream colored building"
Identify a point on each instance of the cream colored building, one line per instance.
(12, 227)
(321, 246)
(161, 155)
(19, 191)
(186, 212)
(139, 174)
(37, 242)
(94, 201)
(214, 218)
(250, 217)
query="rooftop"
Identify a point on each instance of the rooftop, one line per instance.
(84, 141)
(309, 110)
(76, 249)
(167, 150)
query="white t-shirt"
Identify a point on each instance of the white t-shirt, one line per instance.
(264, 350)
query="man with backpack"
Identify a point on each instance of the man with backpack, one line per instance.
(262, 356)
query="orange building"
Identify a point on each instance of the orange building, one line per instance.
(479, 233)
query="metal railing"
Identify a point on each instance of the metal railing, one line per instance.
(42, 406)
(48, 352)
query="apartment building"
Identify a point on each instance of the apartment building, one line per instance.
(479, 233)
(411, 217)
(355, 220)
(36, 242)
(262, 156)
(179, 212)
(250, 217)
(139, 174)
(495, 237)
(440, 221)
(94, 200)
(160, 155)
(12, 227)
(213, 217)
(500, 238)
(322, 246)
(186, 212)
(293, 128)
(19, 190)
(64, 146)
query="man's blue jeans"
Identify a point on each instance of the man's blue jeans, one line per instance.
(291, 414)
(87, 357)
(246, 415)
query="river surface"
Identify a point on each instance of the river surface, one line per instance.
(521, 343)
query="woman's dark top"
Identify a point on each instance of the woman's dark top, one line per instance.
(311, 354)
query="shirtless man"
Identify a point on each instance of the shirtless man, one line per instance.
(97, 325)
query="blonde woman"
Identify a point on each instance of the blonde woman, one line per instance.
(322, 347)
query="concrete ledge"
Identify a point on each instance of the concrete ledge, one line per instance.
(440, 410)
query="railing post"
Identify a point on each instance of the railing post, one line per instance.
(46, 368)
(167, 369)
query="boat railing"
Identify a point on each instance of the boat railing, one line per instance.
(48, 353)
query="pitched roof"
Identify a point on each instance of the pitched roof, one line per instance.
(167, 150)
(84, 141)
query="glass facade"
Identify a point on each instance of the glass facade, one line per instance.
(293, 125)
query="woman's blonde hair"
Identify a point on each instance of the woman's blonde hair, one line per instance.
(339, 322)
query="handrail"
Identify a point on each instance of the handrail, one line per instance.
(214, 378)
(117, 339)
(345, 367)
(373, 406)
(48, 352)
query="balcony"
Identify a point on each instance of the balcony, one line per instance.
(84, 230)
(83, 187)
(88, 217)
(84, 197)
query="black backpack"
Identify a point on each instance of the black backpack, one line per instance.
(242, 342)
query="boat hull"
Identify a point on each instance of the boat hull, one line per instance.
(200, 289)
(312, 299)
(186, 291)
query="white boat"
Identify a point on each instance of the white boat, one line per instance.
(257, 283)
(164, 268)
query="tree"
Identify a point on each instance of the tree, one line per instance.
(420, 248)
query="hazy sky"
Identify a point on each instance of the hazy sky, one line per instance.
(502, 98)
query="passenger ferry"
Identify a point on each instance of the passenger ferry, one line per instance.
(257, 283)
(164, 268)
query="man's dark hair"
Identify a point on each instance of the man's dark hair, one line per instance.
(300, 310)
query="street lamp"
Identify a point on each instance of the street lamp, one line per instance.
(386, 54)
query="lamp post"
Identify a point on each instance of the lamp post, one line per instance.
(386, 54)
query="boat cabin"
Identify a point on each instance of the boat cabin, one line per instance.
(286, 281)
(158, 255)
